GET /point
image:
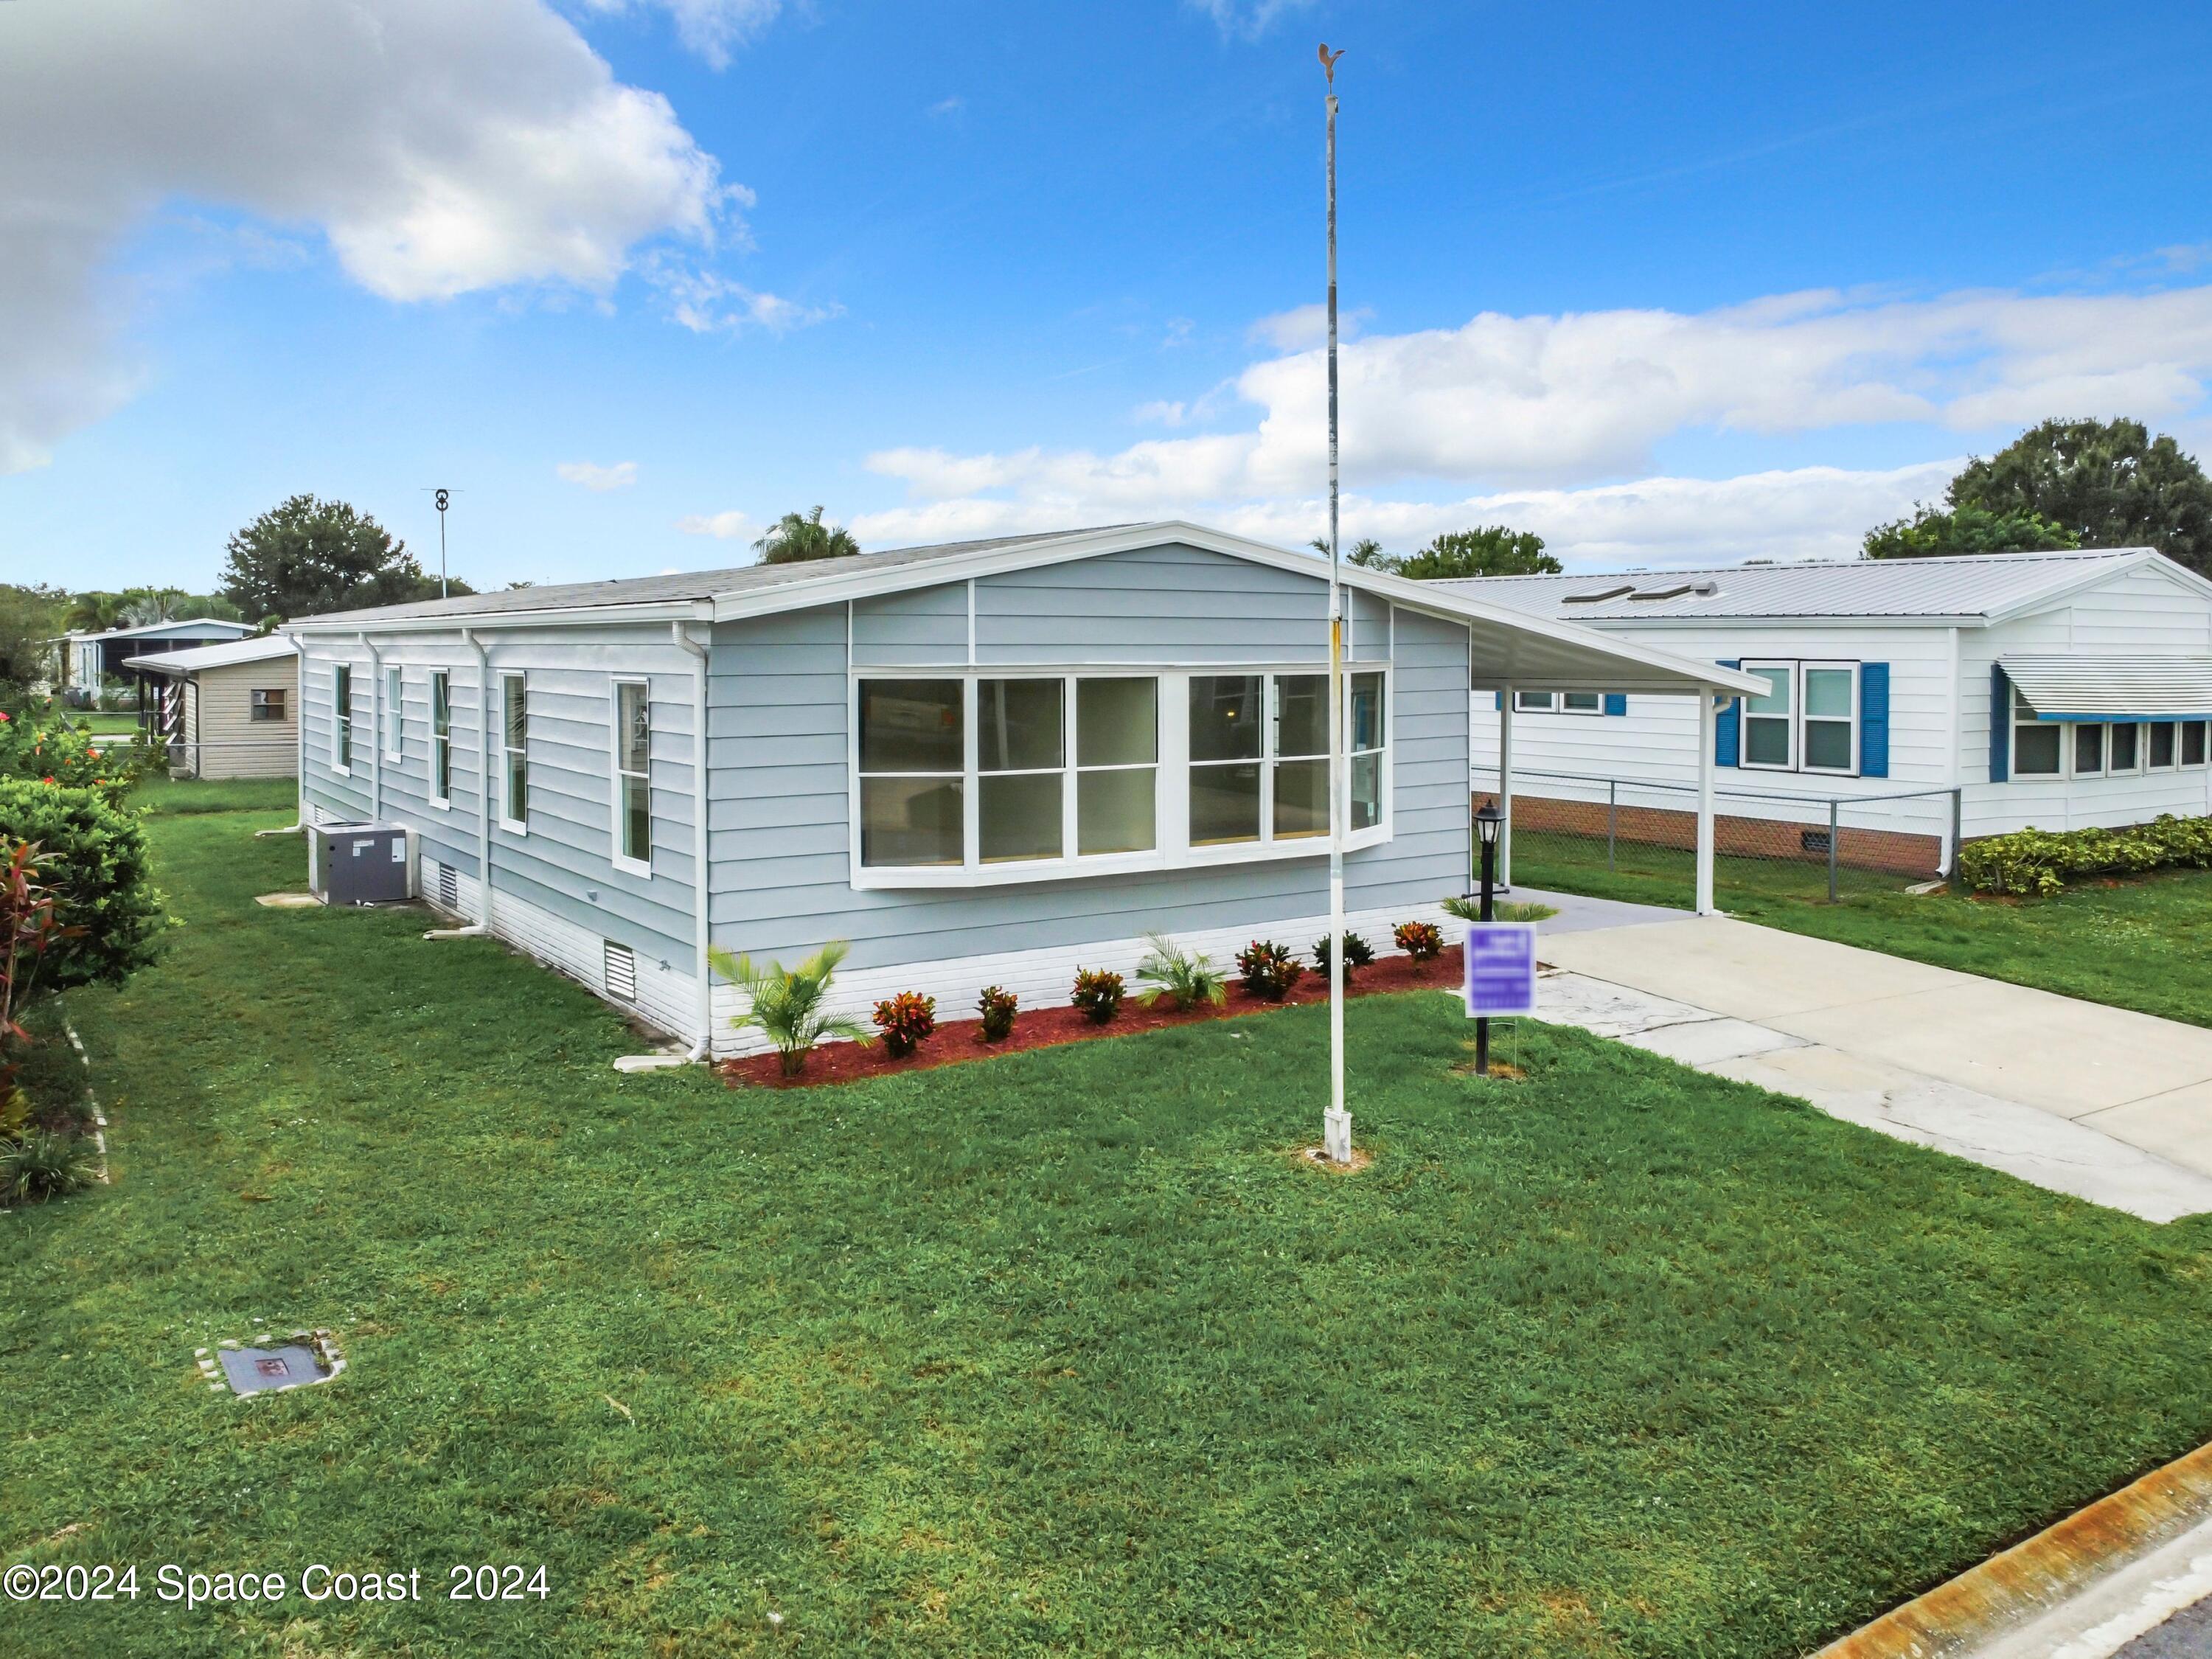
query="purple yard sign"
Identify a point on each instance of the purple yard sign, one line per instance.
(1501, 968)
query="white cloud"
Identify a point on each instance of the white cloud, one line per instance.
(620, 476)
(731, 526)
(1247, 18)
(1160, 412)
(711, 29)
(437, 149)
(948, 106)
(1302, 327)
(707, 303)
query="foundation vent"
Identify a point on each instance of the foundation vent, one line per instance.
(449, 889)
(621, 971)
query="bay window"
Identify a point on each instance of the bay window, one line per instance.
(1012, 776)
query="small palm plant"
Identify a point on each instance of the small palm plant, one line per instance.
(787, 1003)
(1185, 978)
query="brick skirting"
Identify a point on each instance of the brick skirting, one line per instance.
(1893, 851)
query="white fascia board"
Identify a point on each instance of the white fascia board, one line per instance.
(2096, 576)
(493, 622)
(1608, 624)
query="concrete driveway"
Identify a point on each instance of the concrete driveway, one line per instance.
(2105, 1103)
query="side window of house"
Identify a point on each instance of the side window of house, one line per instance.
(392, 709)
(342, 712)
(912, 758)
(1117, 766)
(633, 771)
(441, 737)
(1365, 741)
(1770, 725)
(2038, 746)
(2193, 734)
(514, 725)
(1806, 720)
(265, 705)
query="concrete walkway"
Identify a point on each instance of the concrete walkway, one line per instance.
(2109, 1105)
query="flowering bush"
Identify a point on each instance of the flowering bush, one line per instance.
(1098, 994)
(2037, 863)
(1422, 940)
(996, 1006)
(1269, 970)
(1357, 953)
(28, 929)
(44, 746)
(905, 1020)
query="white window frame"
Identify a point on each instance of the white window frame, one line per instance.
(259, 711)
(1555, 702)
(2073, 729)
(394, 737)
(1171, 793)
(2142, 749)
(2149, 728)
(622, 860)
(1744, 717)
(510, 681)
(342, 718)
(1804, 761)
(2020, 706)
(442, 743)
(2204, 748)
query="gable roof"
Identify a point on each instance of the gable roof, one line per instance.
(215, 626)
(261, 648)
(1510, 646)
(1971, 589)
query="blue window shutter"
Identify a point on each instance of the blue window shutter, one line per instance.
(2000, 724)
(1497, 700)
(1616, 702)
(1726, 723)
(1874, 719)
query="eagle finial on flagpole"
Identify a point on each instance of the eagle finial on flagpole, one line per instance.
(1328, 62)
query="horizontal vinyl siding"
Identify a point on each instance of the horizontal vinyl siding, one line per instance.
(1160, 604)
(778, 756)
(231, 743)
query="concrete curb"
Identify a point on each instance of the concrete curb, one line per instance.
(2004, 1592)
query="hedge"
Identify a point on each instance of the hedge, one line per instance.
(2037, 863)
(92, 854)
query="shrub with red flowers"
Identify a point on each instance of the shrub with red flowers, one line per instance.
(43, 745)
(906, 1020)
(1269, 970)
(995, 1008)
(1423, 941)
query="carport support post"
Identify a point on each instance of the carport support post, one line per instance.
(1708, 731)
(1506, 787)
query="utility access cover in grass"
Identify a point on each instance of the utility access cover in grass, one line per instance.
(309, 1358)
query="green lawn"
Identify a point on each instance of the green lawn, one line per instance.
(1058, 1353)
(117, 723)
(2139, 944)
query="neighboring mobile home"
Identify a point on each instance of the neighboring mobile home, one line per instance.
(228, 711)
(2050, 690)
(89, 659)
(985, 763)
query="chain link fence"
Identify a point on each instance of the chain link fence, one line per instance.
(1627, 838)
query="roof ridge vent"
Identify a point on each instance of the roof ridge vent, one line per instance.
(1620, 590)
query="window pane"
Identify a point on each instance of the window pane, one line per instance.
(1766, 742)
(909, 821)
(1532, 703)
(1587, 703)
(1224, 723)
(1301, 798)
(634, 709)
(637, 819)
(518, 788)
(1366, 790)
(910, 725)
(1828, 692)
(1118, 723)
(1020, 817)
(2036, 751)
(2161, 743)
(2123, 747)
(442, 705)
(1365, 726)
(442, 754)
(1114, 812)
(518, 713)
(1828, 743)
(2193, 742)
(1302, 714)
(2089, 747)
(1225, 803)
(1018, 726)
(1777, 700)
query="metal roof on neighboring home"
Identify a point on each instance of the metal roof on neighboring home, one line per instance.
(699, 585)
(156, 630)
(2095, 688)
(231, 653)
(1973, 588)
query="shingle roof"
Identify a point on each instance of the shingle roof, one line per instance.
(260, 648)
(699, 585)
(1977, 585)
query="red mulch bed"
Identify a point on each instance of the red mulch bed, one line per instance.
(957, 1040)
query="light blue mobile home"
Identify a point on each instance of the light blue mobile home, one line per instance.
(984, 762)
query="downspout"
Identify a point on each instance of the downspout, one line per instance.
(702, 928)
(482, 925)
(376, 717)
(299, 743)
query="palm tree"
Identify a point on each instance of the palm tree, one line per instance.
(1366, 551)
(796, 537)
(93, 613)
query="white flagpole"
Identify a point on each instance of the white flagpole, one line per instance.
(1336, 1124)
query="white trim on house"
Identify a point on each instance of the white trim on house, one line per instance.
(619, 827)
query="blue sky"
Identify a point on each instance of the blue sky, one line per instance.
(1747, 279)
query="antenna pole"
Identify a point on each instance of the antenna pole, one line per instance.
(1336, 1124)
(442, 543)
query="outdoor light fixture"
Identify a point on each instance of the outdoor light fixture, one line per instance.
(1488, 821)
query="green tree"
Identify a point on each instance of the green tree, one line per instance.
(1931, 532)
(2109, 484)
(30, 617)
(797, 537)
(94, 612)
(1494, 550)
(308, 556)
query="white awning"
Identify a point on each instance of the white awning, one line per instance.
(2096, 688)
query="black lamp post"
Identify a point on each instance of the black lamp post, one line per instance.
(1487, 823)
